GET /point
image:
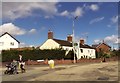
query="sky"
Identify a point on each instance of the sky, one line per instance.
(29, 22)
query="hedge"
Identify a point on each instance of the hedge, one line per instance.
(9, 55)
(70, 56)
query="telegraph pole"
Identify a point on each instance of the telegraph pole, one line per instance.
(73, 42)
(86, 39)
(74, 38)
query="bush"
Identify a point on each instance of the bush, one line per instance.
(107, 55)
(9, 55)
(115, 53)
(70, 55)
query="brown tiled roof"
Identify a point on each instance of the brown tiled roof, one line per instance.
(85, 46)
(63, 42)
(10, 35)
(106, 45)
(97, 45)
(66, 43)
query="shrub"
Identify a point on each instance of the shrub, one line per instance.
(106, 55)
(70, 55)
(9, 55)
(115, 53)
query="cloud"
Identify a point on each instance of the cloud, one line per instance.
(114, 19)
(22, 44)
(15, 30)
(64, 13)
(117, 41)
(97, 41)
(113, 39)
(78, 12)
(12, 29)
(31, 1)
(32, 31)
(113, 22)
(85, 33)
(96, 20)
(47, 17)
(16, 10)
(78, 38)
(31, 45)
(94, 7)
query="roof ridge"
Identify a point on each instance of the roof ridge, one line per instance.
(103, 43)
(63, 42)
(60, 40)
(9, 35)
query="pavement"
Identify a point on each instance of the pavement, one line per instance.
(107, 71)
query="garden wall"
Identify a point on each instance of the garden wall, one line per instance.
(71, 61)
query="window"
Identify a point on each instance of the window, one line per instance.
(12, 43)
(84, 56)
(81, 56)
(1, 43)
(91, 51)
(81, 50)
(88, 51)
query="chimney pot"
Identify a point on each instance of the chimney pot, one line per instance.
(82, 41)
(69, 38)
(50, 34)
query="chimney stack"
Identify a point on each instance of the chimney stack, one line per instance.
(50, 34)
(69, 38)
(82, 41)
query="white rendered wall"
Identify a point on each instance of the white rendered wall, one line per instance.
(6, 40)
(50, 44)
(90, 53)
(67, 48)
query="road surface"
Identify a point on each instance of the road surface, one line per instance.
(107, 71)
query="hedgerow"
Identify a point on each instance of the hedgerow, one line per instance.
(9, 55)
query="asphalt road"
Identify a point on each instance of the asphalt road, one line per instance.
(107, 71)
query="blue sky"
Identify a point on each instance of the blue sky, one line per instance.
(29, 22)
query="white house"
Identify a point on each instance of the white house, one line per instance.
(7, 41)
(56, 44)
(52, 43)
(82, 51)
(85, 51)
